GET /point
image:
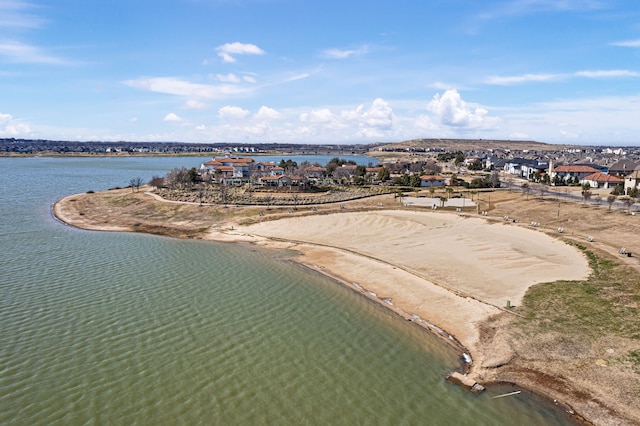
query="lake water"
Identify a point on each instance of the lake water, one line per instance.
(121, 328)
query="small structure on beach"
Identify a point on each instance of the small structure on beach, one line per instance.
(465, 381)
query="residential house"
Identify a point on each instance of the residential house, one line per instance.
(316, 172)
(519, 166)
(623, 167)
(275, 180)
(601, 180)
(632, 181)
(428, 181)
(563, 173)
(241, 165)
(530, 168)
(276, 171)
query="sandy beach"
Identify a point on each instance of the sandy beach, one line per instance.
(460, 276)
(452, 271)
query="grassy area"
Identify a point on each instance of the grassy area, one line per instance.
(604, 304)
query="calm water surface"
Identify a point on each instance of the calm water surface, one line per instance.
(118, 328)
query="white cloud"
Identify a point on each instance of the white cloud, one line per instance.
(627, 43)
(249, 79)
(344, 53)
(10, 127)
(232, 113)
(452, 110)
(226, 50)
(172, 118)
(229, 78)
(266, 113)
(525, 78)
(195, 104)
(607, 74)
(296, 77)
(133, 120)
(318, 116)
(15, 51)
(14, 14)
(178, 87)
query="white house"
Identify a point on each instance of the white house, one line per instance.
(601, 180)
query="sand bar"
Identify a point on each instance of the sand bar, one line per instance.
(449, 270)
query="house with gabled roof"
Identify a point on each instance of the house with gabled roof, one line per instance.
(428, 181)
(241, 165)
(565, 172)
(623, 167)
(519, 166)
(601, 180)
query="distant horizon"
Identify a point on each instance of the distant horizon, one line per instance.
(242, 71)
(308, 144)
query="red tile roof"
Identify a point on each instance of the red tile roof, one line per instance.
(602, 177)
(574, 169)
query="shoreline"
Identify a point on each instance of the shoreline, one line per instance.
(338, 263)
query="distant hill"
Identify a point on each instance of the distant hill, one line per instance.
(470, 144)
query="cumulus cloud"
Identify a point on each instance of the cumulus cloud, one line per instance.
(452, 110)
(10, 127)
(266, 113)
(317, 116)
(228, 51)
(232, 113)
(172, 118)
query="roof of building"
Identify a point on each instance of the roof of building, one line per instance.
(225, 168)
(602, 177)
(623, 165)
(432, 177)
(275, 177)
(574, 169)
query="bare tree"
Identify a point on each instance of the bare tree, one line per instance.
(586, 192)
(526, 189)
(135, 183)
(542, 189)
(610, 200)
(224, 194)
(628, 202)
(268, 200)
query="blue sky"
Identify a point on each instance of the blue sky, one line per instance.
(298, 71)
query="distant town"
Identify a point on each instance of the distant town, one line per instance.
(471, 163)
